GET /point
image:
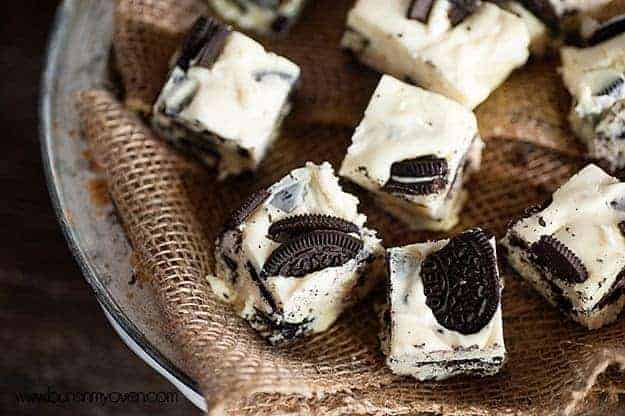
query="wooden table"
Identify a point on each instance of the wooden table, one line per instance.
(53, 334)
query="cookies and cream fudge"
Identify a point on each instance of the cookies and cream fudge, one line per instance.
(414, 150)
(572, 249)
(444, 308)
(463, 50)
(295, 255)
(225, 98)
(263, 16)
(595, 77)
(543, 39)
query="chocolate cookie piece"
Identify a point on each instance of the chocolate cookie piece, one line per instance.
(543, 10)
(607, 30)
(460, 9)
(613, 87)
(290, 227)
(420, 10)
(419, 176)
(204, 42)
(311, 252)
(247, 208)
(424, 166)
(461, 284)
(621, 227)
(415, 188)
(559, 260)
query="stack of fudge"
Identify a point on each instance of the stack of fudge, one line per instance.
(297, 254)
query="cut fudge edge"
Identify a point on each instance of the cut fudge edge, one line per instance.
(411, 214)
(609, 307)
(481, 362)
(371, 57)
(584, 130)
(213, 150)
(273, 327)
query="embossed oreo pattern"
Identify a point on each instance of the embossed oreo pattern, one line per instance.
(461, 282)
(296, 225)
(311, 252)
(550, 254)
(248, 207)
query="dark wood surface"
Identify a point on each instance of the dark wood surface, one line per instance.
(53, 335)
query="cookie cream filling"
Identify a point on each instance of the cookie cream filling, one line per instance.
(584, 216)
(404, 122)
(263, 16)
(466, 61)
(233, 110)
(313, 301)
(415, 338)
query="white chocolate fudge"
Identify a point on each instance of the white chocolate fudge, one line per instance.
(573, 250)
(225, 99)
(542, 38)
(444, 314)
(414, 149)
(595, 77)
(461, 53)
(262, 16)
(296, 255)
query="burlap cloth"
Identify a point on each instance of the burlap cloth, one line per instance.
(172, 210)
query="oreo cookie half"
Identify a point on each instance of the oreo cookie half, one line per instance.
(247, 208)
(607, 30)
(461, 283)
(203, 43)
(612, 88)
(290, 227)
(553, 256)
(419, 176)
(543, 10)
(311, 252)
(420, 10)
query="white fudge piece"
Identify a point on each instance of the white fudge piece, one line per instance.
(262, 16)
(407, 125)
(225, 99)
(465, 62)
(595, 77)
(573, 250)
(290, 276)
(542, 39)
(442, 324)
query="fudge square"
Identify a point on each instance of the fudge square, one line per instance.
(262, 16)
(444, 308)
(225, 99)
(414, 150)
(595, 77)
(572, 250)
(297, 254)
(463, 50)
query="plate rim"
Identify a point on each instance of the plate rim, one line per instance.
(57, 38)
